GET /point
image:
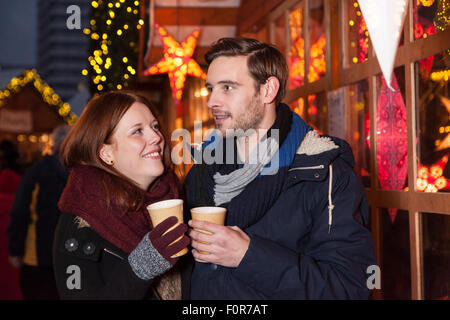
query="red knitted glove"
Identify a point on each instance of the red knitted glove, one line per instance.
(161, 241)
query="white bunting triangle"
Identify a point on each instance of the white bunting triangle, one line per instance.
(384, 21)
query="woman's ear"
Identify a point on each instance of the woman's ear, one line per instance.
(106, 154)
(270, 89)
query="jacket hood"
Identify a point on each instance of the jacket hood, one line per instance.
(322, 150)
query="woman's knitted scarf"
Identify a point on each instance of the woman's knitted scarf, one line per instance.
(85, 197)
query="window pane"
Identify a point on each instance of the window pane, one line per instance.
(392, 139)
(317, 44)
(298, 106)
(433, 121)
(194, 101)
(358, 132)
(436, 255)
(317, 112)
(337, 118)
(430, 16)
(395, 255)
(317, 41)
(296, 47)
(358, 36)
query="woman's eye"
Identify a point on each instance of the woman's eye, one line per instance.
(156, 127)
(137, 131)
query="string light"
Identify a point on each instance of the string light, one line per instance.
(47, 93)
(439, 76)
(426, 3)
(105, 30)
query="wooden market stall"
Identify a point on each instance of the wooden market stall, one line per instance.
(29, 111)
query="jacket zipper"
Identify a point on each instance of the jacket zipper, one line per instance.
(308, 168)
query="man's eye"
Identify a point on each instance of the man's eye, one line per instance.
(227, 87)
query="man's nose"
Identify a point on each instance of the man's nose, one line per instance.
(213, 100)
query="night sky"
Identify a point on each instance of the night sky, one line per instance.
(18, 33)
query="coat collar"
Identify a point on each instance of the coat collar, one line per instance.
(314, 156)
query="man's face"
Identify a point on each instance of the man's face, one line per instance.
(234, 101)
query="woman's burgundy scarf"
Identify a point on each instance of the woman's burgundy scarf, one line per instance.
(85, 197)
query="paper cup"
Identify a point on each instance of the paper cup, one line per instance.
(211, 214)
(160, 211)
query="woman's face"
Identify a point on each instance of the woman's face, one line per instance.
(137, 146)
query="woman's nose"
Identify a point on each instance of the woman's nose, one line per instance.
(154, 136)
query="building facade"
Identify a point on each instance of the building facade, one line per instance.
(62, 52)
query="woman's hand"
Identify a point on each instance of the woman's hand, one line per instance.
(161, 241)
(226, 246)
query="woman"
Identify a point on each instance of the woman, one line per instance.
(105, 245)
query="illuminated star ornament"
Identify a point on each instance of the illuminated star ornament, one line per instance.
(431, 179)
(177, 61)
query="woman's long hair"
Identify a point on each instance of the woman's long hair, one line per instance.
(94, 128)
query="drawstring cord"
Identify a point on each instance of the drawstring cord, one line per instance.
(330, 204)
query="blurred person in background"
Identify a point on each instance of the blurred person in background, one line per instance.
(9, 180)
(33, 220)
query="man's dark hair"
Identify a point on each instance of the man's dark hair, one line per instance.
(264, 60)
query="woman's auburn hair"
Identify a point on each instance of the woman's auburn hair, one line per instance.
(94, 128)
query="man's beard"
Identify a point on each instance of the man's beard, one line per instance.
(246, 122)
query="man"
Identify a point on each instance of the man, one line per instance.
(34, 215)
(295, 208)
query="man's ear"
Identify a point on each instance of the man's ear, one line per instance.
(270, 89)
(106, 154)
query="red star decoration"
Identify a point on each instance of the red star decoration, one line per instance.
(177, 61)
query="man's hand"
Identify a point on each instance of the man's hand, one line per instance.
(226, 245)
(16, 261)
